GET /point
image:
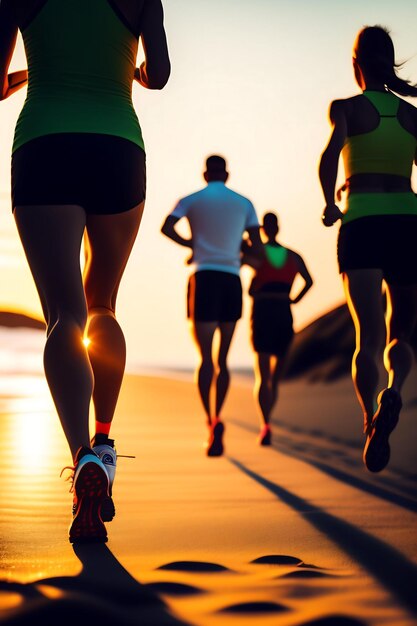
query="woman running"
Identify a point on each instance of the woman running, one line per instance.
(376, 132)
(271, 319)
(78, 171)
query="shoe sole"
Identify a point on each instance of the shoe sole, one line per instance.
(377, 450)
(108, 510)
(216, 447)
(91, 488)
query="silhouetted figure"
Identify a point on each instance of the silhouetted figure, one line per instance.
(78, 170)
(376, 132)
(218, 217)
(271, 319)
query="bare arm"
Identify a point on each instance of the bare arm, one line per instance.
(255, 241)
(305, 274)
(9, 83)
(248, 256)
(168, 229)
(329, 162)
(252, 261)
(155, 70)
(252, 248)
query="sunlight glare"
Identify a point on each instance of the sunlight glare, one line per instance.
(31, 433)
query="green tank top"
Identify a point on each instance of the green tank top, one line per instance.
(389, 149)
(81, 62)
(276, 256)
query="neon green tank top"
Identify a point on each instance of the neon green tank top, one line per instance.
(277, 256)
(81, 62)
(389, 149)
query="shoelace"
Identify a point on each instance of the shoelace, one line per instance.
(71, 468)
(70, 477)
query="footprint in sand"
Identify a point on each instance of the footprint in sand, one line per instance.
(193, 566)
(255, 607)
(306, 570)
(298, 591)
(339, 453)
(306, 573)
(277, 559)
(335, 620)
(351, 462)
(316, 433)
(174, 589)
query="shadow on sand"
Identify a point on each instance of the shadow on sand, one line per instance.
(314, 455)
(393, 570)
(104, 591)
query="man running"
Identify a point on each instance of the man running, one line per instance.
(218, 218)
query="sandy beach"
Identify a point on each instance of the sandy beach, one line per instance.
(295, 534)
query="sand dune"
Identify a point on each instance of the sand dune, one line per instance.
(322, 351)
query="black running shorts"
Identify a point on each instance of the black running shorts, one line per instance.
(271, 326)
(103, 174)
(214, 296)
(386, 242)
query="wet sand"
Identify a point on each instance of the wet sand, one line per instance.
(295, 534)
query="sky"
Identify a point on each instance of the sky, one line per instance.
(251, 81)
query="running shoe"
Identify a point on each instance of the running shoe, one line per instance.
(215, 441)
(264, 437)
(105, 450)
(377, 451)
(90, 486)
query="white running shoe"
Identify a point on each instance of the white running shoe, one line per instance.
(106, 452)
(108, 456)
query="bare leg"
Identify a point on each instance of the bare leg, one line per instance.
(51, 237)
(277, 370)
(364, 298)
(263, 385)
(108, 242)
(223, 377)
(398, 358)
(401, 319)
(203, 333)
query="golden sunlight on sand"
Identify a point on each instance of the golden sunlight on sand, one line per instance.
(287, 535)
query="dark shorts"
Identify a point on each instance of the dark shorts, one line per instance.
(386, 242)
(214, 296)
(102, 173)
(271, 326)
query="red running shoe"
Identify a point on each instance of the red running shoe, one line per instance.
(215, 442)
(264, 437)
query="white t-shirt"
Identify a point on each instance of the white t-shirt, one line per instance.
(218, 217)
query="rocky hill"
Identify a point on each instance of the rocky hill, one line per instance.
(20, 320)
(322, 351)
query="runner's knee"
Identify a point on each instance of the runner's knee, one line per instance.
(75, 318)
